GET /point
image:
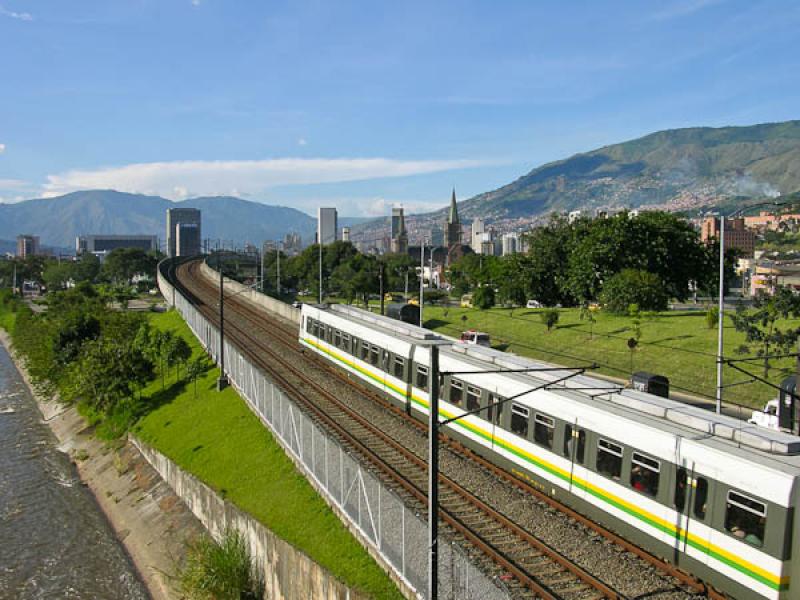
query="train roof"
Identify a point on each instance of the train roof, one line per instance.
(726, 433)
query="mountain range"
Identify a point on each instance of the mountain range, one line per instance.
(675, 169)
(57, 221)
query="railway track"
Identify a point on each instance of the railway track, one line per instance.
(537, 569)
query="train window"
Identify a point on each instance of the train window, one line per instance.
(473, 398)
(580, 455)
(568, 441)
(519, 420)
(309, 324)
(374, 355)
(346, 342)
(456, 392)
(543, 428)
(315, 329)
(609, 459)
(495, 404)
(364, 350)
(399, 367)
(422, 377)
(337, 339)
(745, 518)
(681, 482)
(700, 497)
(645, 473)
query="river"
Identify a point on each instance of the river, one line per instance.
(54, 540)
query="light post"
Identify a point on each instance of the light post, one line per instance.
(278, 272)
(721, 309)
(320, 270)
(421, 280)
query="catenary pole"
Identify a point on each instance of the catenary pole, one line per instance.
(421, 280)
(433, 478)
(320, 270)
(222, 382)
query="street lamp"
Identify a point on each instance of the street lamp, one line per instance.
(721, 310)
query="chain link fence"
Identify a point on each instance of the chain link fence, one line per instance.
(397, 533)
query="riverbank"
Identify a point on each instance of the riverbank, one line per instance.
(148, 518)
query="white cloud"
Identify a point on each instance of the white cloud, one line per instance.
(302, 142)
(22, 16)
(2, 148)
(181, 179)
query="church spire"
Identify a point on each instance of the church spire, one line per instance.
(453, 216)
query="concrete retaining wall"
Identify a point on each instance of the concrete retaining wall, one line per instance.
(288, 574)
(261, 300)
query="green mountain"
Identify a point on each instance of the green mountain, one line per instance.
(677, 169)
(57, 221)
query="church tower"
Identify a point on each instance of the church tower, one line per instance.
(453, 226)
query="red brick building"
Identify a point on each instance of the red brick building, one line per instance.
(736, 235)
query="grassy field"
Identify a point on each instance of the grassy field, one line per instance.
(677, 344)
(217, 438)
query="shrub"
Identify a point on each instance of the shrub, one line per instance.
(712, 317)
(549, 317)
(219, 570)
(632, 286)
(483, 297)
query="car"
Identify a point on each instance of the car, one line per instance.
(533, 304)
(476, 338)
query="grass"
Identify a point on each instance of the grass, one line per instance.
(676, 344)
(215, 437)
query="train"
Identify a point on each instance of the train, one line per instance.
(711, 494)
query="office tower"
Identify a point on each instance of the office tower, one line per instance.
(27, 245)
(187, 219)
(327, 225)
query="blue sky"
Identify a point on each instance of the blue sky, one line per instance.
(366, 104)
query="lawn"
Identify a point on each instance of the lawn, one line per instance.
(677, 344)
(217, 438)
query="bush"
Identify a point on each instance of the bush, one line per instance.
(712, 317)
(549, 317)
(632, 286)
(483, 297)
(219, 571)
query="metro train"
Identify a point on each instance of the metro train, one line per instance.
(711, 494)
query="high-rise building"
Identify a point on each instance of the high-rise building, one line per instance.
(292, 243)
(510, 243)
(477, 232)
(102, 244)
(327, 225)
(345, 234)
(736, 235)
(27, 245)
(187, 219)
(452, 228)
(399, 242)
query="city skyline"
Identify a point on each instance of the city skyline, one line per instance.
(384, 107)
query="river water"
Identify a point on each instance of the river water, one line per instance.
(54, 540)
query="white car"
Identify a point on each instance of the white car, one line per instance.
(533, 304)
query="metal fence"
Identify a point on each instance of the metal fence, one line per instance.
(397, 533)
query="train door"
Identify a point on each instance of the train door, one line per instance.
(698, 532)
(574, 450)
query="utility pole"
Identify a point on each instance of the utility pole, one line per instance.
(421, 280)
(721, 311)
(433, 477)
(262, 268)
(222, 382)
(14, 281)
(380, 279)
(320, 271)
(406, 292)
(278, 258)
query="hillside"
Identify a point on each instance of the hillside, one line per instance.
(678, 168)
(59, 220)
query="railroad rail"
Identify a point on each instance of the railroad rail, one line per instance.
(536, 566)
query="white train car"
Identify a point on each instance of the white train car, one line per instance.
(712, 494)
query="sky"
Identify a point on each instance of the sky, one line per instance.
(366, 105)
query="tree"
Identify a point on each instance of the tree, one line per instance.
(57, 275)
(123, 264)
(194, 369)
(86, 268)
(483, 297)
(549, 317)
(760, 325)
(588, 314)
(632, 286)
(545, 268)
(181, 352)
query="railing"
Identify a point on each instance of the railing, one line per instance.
(396, 535)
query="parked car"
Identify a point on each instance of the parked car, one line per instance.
(533, 304)
(477, 338)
